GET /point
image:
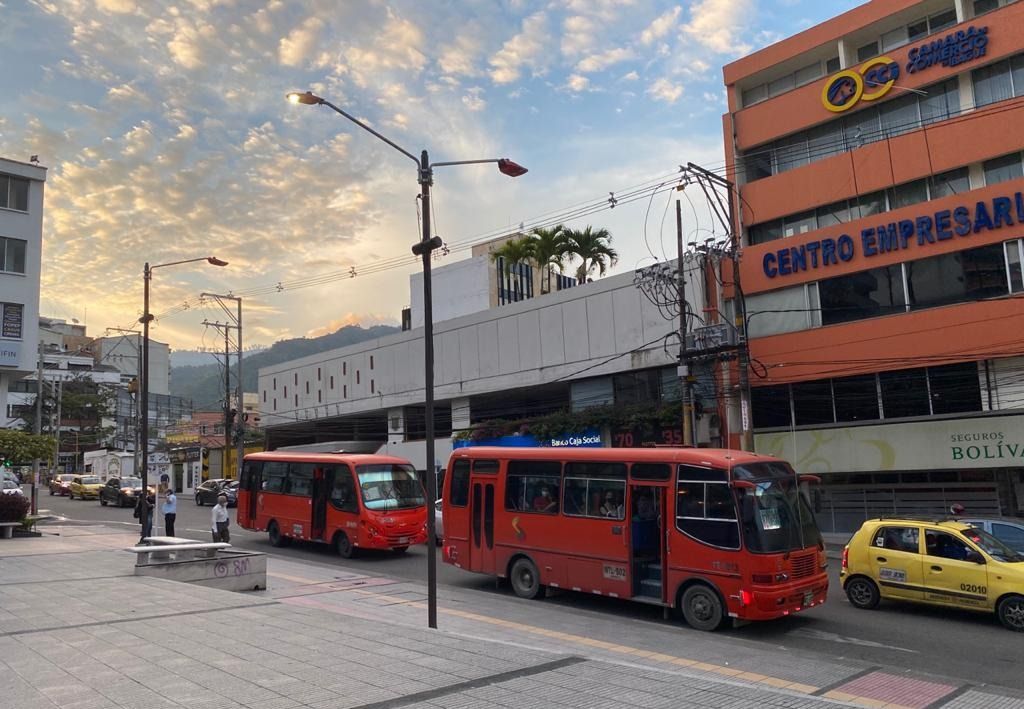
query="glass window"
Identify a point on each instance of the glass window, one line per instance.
(486, 467)
(458, 492)
(916, 30)
(861, 128)
(775, 312)
(900, 115)
(942, 20)
(812, 403)
(904, 393)
(791, 153)
(832, 65)
(758, 164)
(867, 51)
(706, 512)
(856, 398)
(1002, 169)
(703, 474)
(910, 193)
(953, 182)
(690, 500)
(992, 83)
(898, 539)
(799, 224)
(982, 6)
(637, 387)
(719, 503)
(945, 546)
(755, 95)
(343, 490)
(386, 487)
(942, 102)
(300, 479)
(533, 486)
(1017, 74)
(1014, 259)
(869, 205)
(830, 214)
(650, 471)
(1009, 535)
(594, 497)
(958, 277)
(825, 140)
(274, 475)
(18, 196)
(781, 85)
(770, 406)
(807, 74)
(13, 255)
(762, 233)
(861, 295)
(895, 38)
(955, 388)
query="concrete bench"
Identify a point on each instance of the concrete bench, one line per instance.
(183, 549)
(7, 529)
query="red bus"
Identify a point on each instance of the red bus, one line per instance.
(351, 502)
(717, 534)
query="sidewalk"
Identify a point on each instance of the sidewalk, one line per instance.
(79, 631)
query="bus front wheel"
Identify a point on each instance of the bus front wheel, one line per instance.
(526, 579)
(702, 608)
(344, 545)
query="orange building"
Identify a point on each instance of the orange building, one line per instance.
(878, 163)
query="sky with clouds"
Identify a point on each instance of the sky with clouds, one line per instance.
(166, 135)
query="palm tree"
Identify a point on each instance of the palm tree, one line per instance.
(593, 248)
(549, 250)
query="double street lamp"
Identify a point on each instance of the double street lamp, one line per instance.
(425, 173)
(147, 276)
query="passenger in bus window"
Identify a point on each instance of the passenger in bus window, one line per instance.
(611, 507)
(645, 507)
(544, 502)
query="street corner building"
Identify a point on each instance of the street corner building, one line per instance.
(878, 163)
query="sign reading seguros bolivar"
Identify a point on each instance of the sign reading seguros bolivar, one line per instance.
(875, 78)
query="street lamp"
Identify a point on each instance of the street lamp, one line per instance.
(147, 276)
(425, 172)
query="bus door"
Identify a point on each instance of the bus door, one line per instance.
(251, 484)
(322, 484)
(647, 541)
(481, 530)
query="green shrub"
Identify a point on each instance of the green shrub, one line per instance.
(13, 508)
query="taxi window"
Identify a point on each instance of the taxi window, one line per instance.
(946, 546)
(898, 539)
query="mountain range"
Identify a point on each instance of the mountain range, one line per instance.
(204, 383)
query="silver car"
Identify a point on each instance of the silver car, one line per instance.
(1008, 530)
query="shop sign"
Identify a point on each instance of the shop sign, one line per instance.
(876, 77)
(923, 231)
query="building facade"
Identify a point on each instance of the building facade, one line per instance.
(122, 353)
(21, 242)
(878, 163)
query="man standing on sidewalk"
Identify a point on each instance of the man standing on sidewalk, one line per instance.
(219, 520)
(170, 510)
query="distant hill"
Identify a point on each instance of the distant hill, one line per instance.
(204, 384)
(195, 358)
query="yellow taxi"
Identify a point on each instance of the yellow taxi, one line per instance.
(937, 561)
(83, 486)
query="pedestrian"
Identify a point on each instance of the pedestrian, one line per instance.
(170, 510)
(219, 520)
(144, 513)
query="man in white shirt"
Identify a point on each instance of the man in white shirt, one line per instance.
(170, 510)
(219, 520)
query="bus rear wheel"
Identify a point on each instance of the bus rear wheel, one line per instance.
(276, 538)
(525, 579)
(702, 609)
(346, 550)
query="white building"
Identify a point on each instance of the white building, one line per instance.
(122, 353)
(21, 240)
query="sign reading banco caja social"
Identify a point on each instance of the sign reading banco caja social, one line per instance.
(876, 77)
(960, 444)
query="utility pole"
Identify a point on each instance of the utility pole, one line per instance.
(239, 422)
(38, 429)
(684, 358)
(226, 328)
(58, 392)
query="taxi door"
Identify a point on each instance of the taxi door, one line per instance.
(955, 574)
(896, 561)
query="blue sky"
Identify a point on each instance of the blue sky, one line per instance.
(166, 135)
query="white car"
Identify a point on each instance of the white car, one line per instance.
(1008, 530)
(9, 487)
(438, 523)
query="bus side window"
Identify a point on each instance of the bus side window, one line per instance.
(274, 475)
(300, 479)
(458, 495)
(533, 486)
(343, 492)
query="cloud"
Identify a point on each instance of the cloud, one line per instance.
(577, 83)
(473, 101)
(719, 24)
(600, 62)
(300, 42)
(525, 50)
(665, 90)
(661, 27)
(460, 57)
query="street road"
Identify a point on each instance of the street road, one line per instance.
(943, 642)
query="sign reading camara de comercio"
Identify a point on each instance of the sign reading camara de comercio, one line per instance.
(875, 78)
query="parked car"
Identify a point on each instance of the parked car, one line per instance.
(939, 562)
(1008, 530)
(121, 491)
(61, 484)
(9, 487)
(209, 491)
(85, 486)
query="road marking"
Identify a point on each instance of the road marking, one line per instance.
(835, 638)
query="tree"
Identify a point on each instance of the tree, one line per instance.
(593, 248)
(549, 251)
(21, 447)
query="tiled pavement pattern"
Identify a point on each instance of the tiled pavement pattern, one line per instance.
(343, 639)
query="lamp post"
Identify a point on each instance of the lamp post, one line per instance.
(423, 249)
(147, 276)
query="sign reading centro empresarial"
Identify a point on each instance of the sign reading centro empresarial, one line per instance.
(875, 78)
(922, 231)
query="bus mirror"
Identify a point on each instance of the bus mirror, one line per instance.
(812, 479)
(743, 485)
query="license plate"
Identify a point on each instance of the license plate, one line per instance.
(403, 540)
(808, 598)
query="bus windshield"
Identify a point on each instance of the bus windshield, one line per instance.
(390, 487)
(776, 517)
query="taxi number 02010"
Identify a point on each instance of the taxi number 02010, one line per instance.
(971, 588)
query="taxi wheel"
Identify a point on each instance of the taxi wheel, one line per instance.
(862, 592)
(702, 608)
(526, 579)
(1011, 613)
